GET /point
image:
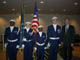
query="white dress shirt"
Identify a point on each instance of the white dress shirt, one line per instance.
(55, 26)
(11, 28)
(27, 29)
(40, 33)
(66, 28)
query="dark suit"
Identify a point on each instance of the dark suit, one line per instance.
(68, 38)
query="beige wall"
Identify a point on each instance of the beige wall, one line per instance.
(45, 20)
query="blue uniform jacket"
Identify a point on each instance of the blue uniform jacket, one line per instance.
(52, 33)
(41, 39)
(10, 35)
(28, 36)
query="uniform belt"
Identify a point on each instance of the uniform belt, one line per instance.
(54, 38)
(26, 40)
(40, 44)
(13, 40)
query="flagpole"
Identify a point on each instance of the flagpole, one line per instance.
(34, 28)
(35, 2)
(22, 23)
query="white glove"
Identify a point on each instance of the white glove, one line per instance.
(72, 44)
(59, 44)
(5, 45)
(24, 39)
(48, 45)
(45, 47)
(17, 46)
(23, 46)
(35, 48)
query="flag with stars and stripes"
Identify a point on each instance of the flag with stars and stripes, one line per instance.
(35, 21)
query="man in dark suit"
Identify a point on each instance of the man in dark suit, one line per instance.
(68, 34)
(11, 40)
(54, 38)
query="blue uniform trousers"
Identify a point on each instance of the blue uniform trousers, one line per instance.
(12, 51)
(28, 51)
(40, 53)
(53, 50)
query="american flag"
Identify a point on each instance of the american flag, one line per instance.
(35, 21)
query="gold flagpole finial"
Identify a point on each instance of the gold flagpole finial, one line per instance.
(22, 2)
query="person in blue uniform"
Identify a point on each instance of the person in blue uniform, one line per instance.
(11, 40)
(40, 43)
(53, 38)
(28, 42)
